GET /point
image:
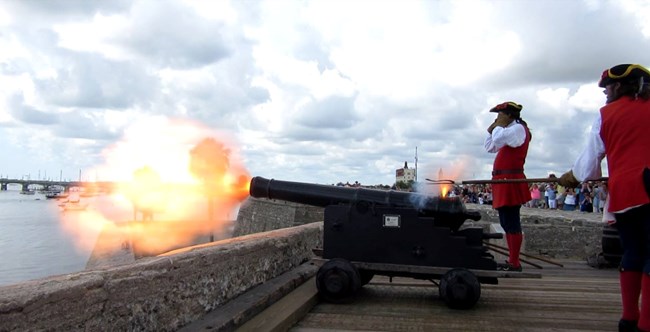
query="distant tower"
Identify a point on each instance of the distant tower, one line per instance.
(405, 174)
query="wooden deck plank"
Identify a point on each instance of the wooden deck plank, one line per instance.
(284, 313)
(574, 298)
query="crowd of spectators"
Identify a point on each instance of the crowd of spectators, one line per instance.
(588, 197)
(477, 194)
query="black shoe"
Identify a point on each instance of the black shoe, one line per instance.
(627, 325)
(508, 267)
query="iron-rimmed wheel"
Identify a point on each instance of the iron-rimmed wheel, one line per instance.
(337, 281)
(460, 289)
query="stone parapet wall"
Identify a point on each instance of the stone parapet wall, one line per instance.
(159, 293)
(261, 215)
(554, 233)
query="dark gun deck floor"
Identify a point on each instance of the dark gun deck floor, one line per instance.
(575, 297)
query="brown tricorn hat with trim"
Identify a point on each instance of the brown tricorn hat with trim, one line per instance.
(625, 73)
(508, 107)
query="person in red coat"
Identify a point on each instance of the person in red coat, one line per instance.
(509, 137)
(620, 132)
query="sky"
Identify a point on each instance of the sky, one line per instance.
(310, 91)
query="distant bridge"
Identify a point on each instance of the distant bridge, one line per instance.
(103, 186)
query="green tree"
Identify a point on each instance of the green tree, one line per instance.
(404, 185)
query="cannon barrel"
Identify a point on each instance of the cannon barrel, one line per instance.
(324, 195)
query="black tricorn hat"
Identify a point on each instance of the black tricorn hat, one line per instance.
(624, 73)
(508, 107)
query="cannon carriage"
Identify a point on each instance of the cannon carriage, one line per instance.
(370, 232)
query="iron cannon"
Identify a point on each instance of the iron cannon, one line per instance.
(369, 232)
(447, 212)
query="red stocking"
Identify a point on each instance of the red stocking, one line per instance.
(644, 319)
(630, 291)
(514, 247)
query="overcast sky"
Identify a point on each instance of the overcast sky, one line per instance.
(310, 91)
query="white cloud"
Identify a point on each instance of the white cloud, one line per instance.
(589, 97)
(641, 11)
(5, 17)
(94, 35)
(320, 91)
(555, 98)
(219, 10)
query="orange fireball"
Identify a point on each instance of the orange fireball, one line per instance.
(173, 183)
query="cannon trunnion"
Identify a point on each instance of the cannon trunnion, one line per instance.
(373, 232)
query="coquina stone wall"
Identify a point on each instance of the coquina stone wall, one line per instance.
(261, 215)
(160, 293)
(553, 233)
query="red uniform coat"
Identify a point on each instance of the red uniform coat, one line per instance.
(509, 164)
(624, 131)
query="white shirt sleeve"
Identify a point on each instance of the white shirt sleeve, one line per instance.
(587, 166)
(513, 135)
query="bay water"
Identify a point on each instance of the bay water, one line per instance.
(33, 243)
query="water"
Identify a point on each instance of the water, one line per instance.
(33, 243)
